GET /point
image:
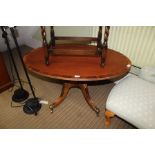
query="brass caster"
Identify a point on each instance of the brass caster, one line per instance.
(97, 110)
(51, 108)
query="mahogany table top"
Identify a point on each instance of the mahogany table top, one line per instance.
(78, 68)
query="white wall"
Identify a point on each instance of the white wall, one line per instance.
(31, 35)
(3, 46)
(87, 31)
(138, 43)
(25, 34)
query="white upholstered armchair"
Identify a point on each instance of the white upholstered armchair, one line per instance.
(133, 99)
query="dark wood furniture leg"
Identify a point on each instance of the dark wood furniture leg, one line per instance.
(5, 81)
(63, 95)
(84, 89)
(65, 90)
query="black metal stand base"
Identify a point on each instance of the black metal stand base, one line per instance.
(20, 95)
(32, 106)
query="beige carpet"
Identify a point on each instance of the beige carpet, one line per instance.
(73, 113)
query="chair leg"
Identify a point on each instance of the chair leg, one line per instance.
(108, 116)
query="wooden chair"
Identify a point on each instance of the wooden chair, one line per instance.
(76, 45)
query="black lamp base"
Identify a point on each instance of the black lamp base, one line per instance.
(32, 106)
(20, 95)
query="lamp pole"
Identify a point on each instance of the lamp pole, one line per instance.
(32, 105)
(20, 94)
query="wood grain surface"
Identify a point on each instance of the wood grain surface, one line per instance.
(77, 68)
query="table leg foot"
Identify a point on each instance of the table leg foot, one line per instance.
(84, 89)
(65, 90)
(63, 95)
(108, 116)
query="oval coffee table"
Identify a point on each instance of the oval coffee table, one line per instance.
(76, 71)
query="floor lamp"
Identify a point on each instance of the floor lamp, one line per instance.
(32, 105)
(20, 94)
